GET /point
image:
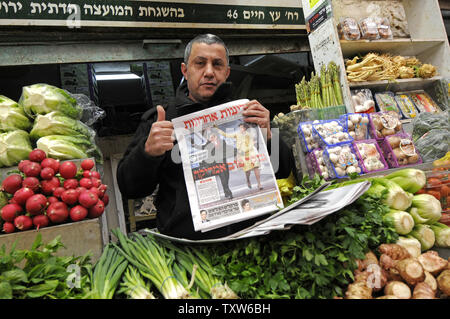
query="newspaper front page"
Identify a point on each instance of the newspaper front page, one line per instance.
(228, 173)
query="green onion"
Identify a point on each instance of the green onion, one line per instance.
(107, 273)
(152, 263)
(134, 285)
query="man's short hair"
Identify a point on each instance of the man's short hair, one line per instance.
(207, 38)
(245, 201)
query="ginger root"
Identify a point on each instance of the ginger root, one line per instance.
(443, 281)
(423, 291)
(398, 289)
(431, 281)
(358, 290)
(410, 270)
(370, 258)
(396, 252)
(432, 262)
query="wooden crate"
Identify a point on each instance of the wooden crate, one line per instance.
(78, 238)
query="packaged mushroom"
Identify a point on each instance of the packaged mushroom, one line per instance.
(342, 161)
(357, 125)
(363, 101)
(307, 140)
(382, 124)
(330, 132)
(399, 150)
(348, 29)
(319, 163)
(370, 156)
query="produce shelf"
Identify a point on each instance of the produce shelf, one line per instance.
(405, 47)
(398, 84)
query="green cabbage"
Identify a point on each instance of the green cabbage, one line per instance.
(442, 233)
(410, 179)
(12, 116)
(44, 98)
(65, 147)
(425, 235)
(55, 123)
(425, 209)
(14, 147)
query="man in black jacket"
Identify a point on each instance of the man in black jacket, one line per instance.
(148, 161)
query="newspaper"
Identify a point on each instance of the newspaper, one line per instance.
(306, 211)
(226, 165)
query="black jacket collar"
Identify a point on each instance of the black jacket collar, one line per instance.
(185, 105)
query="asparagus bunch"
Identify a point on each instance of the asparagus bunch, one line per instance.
(321, 91)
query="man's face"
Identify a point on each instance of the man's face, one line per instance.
(207, 68)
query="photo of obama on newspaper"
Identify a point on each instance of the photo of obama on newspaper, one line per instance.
(225, 161)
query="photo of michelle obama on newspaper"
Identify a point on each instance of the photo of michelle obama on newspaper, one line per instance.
(228, 173)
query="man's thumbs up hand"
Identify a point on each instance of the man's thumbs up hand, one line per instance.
(161, 136)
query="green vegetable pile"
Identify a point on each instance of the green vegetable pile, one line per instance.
(43, 274)
(306, 262)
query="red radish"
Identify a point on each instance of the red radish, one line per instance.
(88, 199)
(96, 210)
(13, 201)
(70, 183)
(95, 174)
(9, 227)
(80, 190)
(87, 173)
(32, 183)
(49, 186)
(105, 199)
(52, 199)
(36, 204)
(68, 170)
(40, 221)
(47, 173)
(96, 182)
(57, 212)
(37, 155)
(10, 211)
(32, 169)
(58, 191)
(22, 164)
(22, 195)
(69, 196)
(23, 222)
(102, 188)
(86, 182)
(12, 183)
(96, 191)
(87, 164)
(52, 163)
(78, 213)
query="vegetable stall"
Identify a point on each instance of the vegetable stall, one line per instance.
(392, 243)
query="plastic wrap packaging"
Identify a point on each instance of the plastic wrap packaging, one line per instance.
(369, 29)
(425, 122)
(342, 161)
(363, 101)
(406, 105)
(423, 102)
(386, 102)
(434, 144)
(357, 125)
(370, 156)
(91, 112)
(384, 28)
(399, 151)
(383, 124)
(319, 164)
(330, 133)
(348, 29)
(442, 91)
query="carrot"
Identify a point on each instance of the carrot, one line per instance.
(445, 191)
(433, 181)
(434, 193)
